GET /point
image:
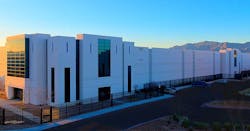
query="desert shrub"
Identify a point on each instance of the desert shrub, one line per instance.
(248, 127)
(200, 125)
(176, 117)
(238, 126)
(168, 122)
(190, 129)
(179, 118)
(228, 126)
(186, 124)
(216, 126)
(182, 118)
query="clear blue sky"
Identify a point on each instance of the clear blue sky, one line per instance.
(161, 23)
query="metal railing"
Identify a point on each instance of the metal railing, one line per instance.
(183, 82)
(2, 116)
(68, 109)
(59, 111)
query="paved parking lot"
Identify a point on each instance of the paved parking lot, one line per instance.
(187, 102)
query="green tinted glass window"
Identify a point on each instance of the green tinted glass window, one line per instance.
(103, 57)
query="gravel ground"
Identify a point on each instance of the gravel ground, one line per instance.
(161, 124)
(16, 127)
(14, 121)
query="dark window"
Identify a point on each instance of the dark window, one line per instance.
(67, 47)
(77, 70)
(67, 84)
(27, 54)
(18, 93)
(18, 57)
(52, 47)
(129, 78)
(90, 48)
(103, 57)
(104, 93)
(116, 49)
(235, 58)
(52, 85)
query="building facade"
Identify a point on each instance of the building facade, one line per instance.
(3, 67)
(44, 69)
(26, 68)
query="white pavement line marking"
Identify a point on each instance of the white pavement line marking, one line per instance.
(95, 113)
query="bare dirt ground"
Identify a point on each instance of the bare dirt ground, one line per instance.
(161, 124)
(227, 98)
(187, 102)
(14, 121)
(169, 123)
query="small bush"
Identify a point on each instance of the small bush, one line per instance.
(228, 126)
(248, 127)
(200, 125)
(179, 118)
(182, 118)
(168, 122)
(186, 124)
(190, 129)
(238, 126)
(216, 126)
(176, 118)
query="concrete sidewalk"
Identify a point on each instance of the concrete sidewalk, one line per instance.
(96, 113)
(6, 104)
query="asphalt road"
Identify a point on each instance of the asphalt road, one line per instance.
(187, 102)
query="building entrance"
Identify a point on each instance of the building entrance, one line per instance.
(104, 93)
(18, 93)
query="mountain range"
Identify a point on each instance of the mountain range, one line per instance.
(215, 46)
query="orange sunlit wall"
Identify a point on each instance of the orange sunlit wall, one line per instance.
(2, 66)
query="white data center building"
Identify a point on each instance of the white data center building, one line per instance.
(44, 69)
